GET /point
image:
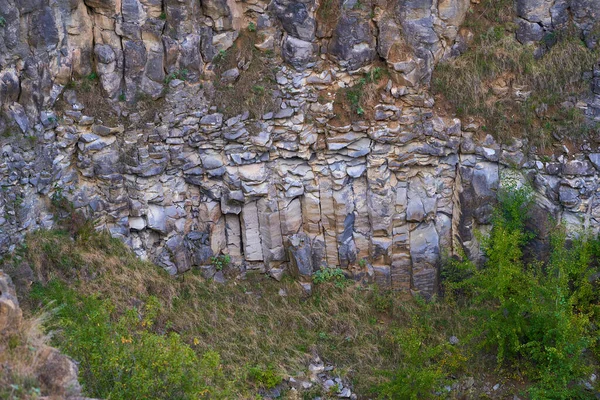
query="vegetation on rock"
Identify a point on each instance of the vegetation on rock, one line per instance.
(518, 91)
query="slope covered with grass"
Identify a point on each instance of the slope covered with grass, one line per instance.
(528, 329)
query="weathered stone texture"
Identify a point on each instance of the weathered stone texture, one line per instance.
(298, 187)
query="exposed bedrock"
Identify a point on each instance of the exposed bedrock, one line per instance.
(298, 187)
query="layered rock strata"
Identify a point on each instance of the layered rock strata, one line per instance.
(300, 185)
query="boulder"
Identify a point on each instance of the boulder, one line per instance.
(297, 52)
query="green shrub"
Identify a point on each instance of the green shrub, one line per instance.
(328, 274)
(179, 74)
(534, 317)
(418, 374)
(424, 360)
(221, 262)
(121, 357)
(266, 378)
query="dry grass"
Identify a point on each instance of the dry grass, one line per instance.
(246, 320)
(472, 81)
(253, 90)
(328, 14)
(357, 102)
(20, 353)
(89, 93)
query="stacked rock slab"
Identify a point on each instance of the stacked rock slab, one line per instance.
(397, 189)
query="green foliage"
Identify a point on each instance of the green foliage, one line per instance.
(418, 374)
(163, 16)
(373, 76)
(221, 262)
(383, 300)
(22, 388)
(252, 27)
(121, 357)
(455, 274)
(534, 317)
(220, 56)
(92, 76)
(122, 97)
(424, 360)
(258, 89)
(358, 96)
(328, 274)
(2, 22)
(179, 74)
(266, 378)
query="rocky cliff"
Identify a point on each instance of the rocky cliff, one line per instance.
(270, 130)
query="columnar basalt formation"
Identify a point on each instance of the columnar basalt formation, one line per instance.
(397, 186)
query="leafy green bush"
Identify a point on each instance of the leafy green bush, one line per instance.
(535, 317)
(121, 357)
(328, 274)
(418, 373)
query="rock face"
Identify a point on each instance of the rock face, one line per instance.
(396, 189)
(10, 312)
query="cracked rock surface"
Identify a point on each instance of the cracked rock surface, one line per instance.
(298, 186)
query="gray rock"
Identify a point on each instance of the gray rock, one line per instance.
(230, 75)
(301, 256)
(297, 52)
(529, 32)
(297, 18)
(353, 42)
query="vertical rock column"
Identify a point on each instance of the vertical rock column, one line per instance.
(401, 262)
(251, 232)
(379, 203)
(328, 219)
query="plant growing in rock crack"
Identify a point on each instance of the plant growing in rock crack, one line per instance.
(220, 56)
(2, 22)
(179, 74)
(252, 27)
(220, 262)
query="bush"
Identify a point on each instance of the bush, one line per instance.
(328, 274)
(535, 317)
(119, 354)
(418, 374)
